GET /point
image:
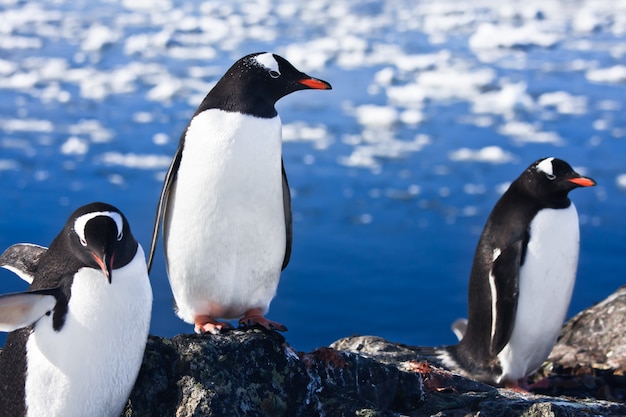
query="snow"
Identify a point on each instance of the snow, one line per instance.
(489, 154)
(614, 74)
(75, 146)
(136, 161)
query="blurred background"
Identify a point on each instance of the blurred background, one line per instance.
(436, 107)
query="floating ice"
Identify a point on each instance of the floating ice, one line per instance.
(8, 164)
(564, 102)
(300, 131)
(136, 161)
(97, 37)
(452, 83)
(524, 132)
(615, 74)
(492, 36)
(94, 129)
(489, 154)
(26, 125)
(507, 101)
(75, 146)
(376, 116)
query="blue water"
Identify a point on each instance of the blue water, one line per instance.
(381, 247)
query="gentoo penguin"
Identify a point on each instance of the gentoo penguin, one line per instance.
(78, 334)
(522, 277)
(225, 203)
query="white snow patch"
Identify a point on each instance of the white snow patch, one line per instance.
(374, 144)
(376, 116)
(7, 67)
(489, 154)
(165, 90)
(409, 95)
(452, 83)
(132, 160)
(8, 164)
(75, 146)
(564, 102)
(92, 128)
(26, 125)
(492, 36)
(511, 98)
(19, 42)
(620, 181)
(524, 132)
(303, 132)
(613, 75)
(97, 37)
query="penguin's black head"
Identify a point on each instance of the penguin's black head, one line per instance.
(256, 82)
(100, 237)
(551, 179)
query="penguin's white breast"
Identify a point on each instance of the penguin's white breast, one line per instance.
(90, 365)
(546, 282)
(225, 227)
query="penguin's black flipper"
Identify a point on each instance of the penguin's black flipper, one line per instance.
(170, 178)
(22, 309)
(22, 259)
(288, 217)
(504, 293)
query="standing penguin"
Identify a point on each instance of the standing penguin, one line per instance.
(225, 202)
(522, 278)
(78, 334)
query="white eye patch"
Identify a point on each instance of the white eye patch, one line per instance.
(267, 61)
(545, 166)
(81, 222)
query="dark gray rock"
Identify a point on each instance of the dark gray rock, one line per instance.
(595, 336)
(255, 373)
(451, 395)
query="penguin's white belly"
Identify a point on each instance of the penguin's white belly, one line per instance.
(89, 367)
(225, 234)
(546, 283)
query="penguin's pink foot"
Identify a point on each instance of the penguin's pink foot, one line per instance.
(206, 324)
(521, 386)
(255, 316)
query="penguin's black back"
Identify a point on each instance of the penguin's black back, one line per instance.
(508, 226)
(56, 270)
(508, 223)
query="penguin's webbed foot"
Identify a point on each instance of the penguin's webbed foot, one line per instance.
(206, 324)
(255, 317)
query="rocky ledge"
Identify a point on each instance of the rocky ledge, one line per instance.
(256, 373)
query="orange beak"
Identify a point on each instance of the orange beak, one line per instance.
(583, 181)
(104, 264)
(315, 84)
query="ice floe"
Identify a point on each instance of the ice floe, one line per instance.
(132, 160)
(614, 74)
(489, 154)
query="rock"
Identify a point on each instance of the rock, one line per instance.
(589, 358)
(256, 373)
(449, 394)
(595, 336)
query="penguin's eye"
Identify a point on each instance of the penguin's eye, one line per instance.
(551, 177)
(83, 241)
(274, 74)
(120, 236)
